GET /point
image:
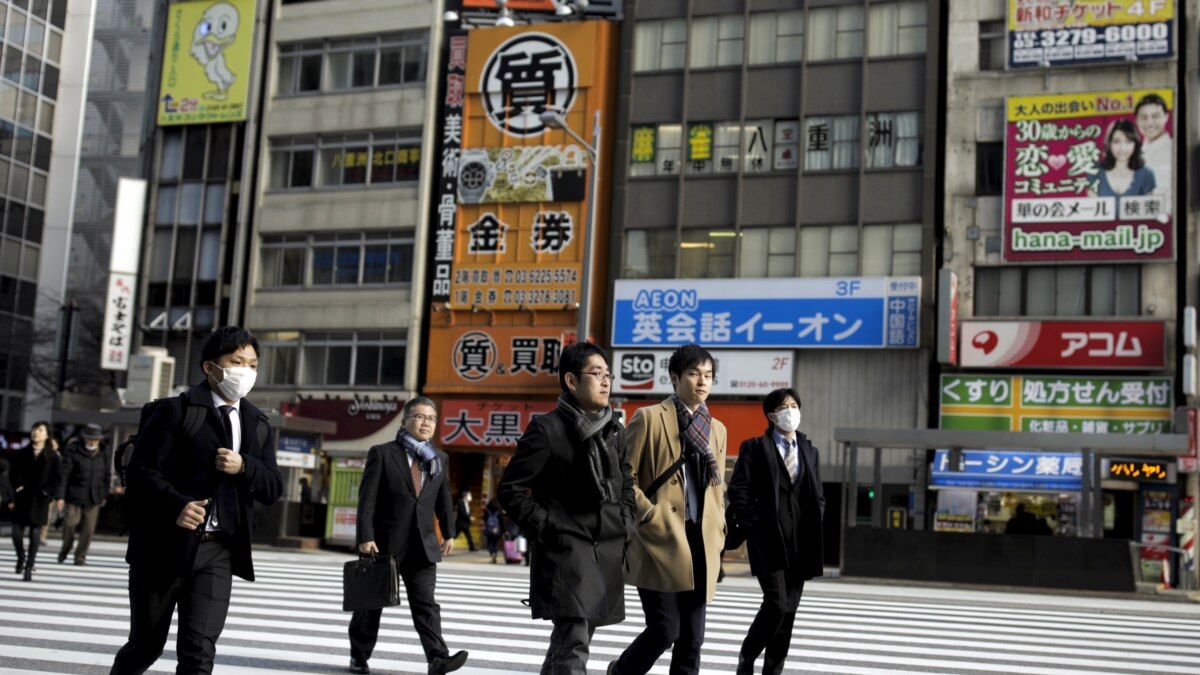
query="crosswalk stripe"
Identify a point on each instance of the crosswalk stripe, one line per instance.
(290, 621)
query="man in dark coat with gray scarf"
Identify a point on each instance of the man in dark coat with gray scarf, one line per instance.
(570, 486)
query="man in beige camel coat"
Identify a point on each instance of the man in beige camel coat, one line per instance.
(677, 452)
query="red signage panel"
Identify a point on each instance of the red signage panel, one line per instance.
(1064, 345)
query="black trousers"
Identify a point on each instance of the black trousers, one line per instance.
(465, 528)
(420, 580)
(672, 619)
(35, 540)
(203, 600)
(570, 642)
(772, 626)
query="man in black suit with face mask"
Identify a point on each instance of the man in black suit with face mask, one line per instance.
(404, 485)
(199, 462)
(776, 493)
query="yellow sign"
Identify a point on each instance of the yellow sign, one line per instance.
(1052, 14)
(1092, 104)
(206, 62)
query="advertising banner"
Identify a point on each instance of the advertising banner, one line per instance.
(1009, 470)
(446, 217)
(118, 322)
(479, 422)
(357, 417)
(1090, 177)
(1112, 405)
(464, 358)
(739, 373)
(1047, 33)
(206, 62)
(862, 312)
(1064, 345)
(522, 185)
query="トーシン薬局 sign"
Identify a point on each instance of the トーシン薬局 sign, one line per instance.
(862, 312)
(1090, 177)
(1045, 403)
(1008, 470)
(1047, 33)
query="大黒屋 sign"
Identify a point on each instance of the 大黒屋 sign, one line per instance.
(1047, 33)
(1123, 405)
(476, 422)
(1090, 177)
(861, 312)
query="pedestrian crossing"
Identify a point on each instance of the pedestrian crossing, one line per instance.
(73, 619)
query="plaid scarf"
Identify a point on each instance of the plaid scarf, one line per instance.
(421, 452)
(695, 430)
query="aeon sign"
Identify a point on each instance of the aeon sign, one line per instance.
(1064, 345)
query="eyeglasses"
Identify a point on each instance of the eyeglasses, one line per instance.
(423, 418)
(607, 377)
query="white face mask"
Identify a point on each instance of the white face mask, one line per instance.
(788, 420)
(236, 382)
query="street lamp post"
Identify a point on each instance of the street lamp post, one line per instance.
(556, 121)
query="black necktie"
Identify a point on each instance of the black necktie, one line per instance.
(227, 421)
(223, 510)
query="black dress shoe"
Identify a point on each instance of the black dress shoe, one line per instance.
(744, 666)
(28, 574)
(357, 666)
(446, 664)
(62, 557)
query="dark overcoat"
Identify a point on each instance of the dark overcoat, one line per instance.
(168, 470)
(754, 498)
(87, 477)
(578, 559)
(35, 481)
(389, 508)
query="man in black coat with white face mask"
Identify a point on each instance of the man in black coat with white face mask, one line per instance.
(776, 493)
(198, 464)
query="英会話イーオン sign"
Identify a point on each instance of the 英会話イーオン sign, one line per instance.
(206, 62)
(1090, 177)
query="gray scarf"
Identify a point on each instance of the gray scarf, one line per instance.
(421, 452)
(589, 427)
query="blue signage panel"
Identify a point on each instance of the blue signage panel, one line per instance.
(291, 443)
(1010, 470)
(854, 312)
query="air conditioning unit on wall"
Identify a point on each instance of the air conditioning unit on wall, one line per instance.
(151, 373)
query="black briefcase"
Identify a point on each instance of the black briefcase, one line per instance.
(370, 583)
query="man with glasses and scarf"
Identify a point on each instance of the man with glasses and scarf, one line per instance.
(677, 452)
(569, 486)
(404, 485)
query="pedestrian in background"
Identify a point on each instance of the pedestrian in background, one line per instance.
(462, 518)
(493, 527)
(87, 478)
(405, 485)
(569, 485)
(54, 510)
(192, 492)
(776, 494)
(36, 473)
(677, 453)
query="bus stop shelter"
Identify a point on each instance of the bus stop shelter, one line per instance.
(1087, 561)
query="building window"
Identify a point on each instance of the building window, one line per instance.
(352, 359)
(714, 147)
(649, 254)
(359, 63)
(835, 33)
(660, 45)
(893, 139)
(767, 252)
(777, 37)
(656, 150)
(381, 158)
(989, 169)
(337, 259)
(891, 250)
(896, 28)
(831, 143)
(280, 353)
(707, 254)
(829, 251)
(717, 41)
(1091, 290)
(300, 67)
(993, 45)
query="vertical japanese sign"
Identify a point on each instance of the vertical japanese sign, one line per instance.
(644, 143)
(206, 62)
(1045, 33)
(522, 184)
(1112, 405)
(446, 208)
(1089, 177)
(118, 322)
